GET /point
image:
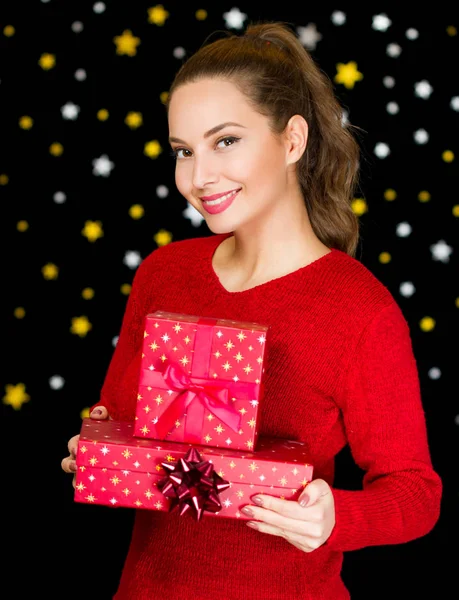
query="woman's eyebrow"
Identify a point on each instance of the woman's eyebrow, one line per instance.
(215, 129)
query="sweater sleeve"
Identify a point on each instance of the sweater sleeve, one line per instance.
(129, 341)
(385, 424)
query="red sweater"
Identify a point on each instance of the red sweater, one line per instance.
(341, 371)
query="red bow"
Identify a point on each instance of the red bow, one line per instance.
(192, 484)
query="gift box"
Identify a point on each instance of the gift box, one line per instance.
(201, 380)
(117, 469)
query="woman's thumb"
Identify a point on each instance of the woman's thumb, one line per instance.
(99, 413)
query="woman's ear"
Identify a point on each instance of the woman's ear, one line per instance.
(296, 138)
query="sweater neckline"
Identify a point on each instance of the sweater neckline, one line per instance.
(217, 239)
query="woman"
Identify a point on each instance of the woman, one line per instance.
(263, 154)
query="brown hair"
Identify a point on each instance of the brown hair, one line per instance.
(269, 65)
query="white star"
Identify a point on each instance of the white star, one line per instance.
(77, 26)
(441, 251)
(59, 197)
(105, 450)
(388, 81)
(162, 191)
(91, 478)
(381, 22)
(423, 89)
(254, 402)
(407, 289)
(227, 503)
(80, 74)
(179, 52)
(338, 17)
(262, 339)
(56, 382)
(421, 136)
(403, 229)
(434, 373)
(132, 259)
(234, 18)
(113, 501)
(193, 215)
(136, 464)
(98, 7)
(393, 50)
(454, 103)
(382, 150)
(392, 108)
(309, 36)
(102, 166)
(229, 441)
(70, 111)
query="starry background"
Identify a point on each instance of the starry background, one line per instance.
(87, 191)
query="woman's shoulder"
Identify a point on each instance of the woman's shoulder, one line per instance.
(357, 288)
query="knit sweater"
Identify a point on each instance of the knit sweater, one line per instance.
(340, 370)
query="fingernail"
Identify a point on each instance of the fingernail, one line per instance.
(247, 511)
(304, 501)
(97, 411)
(252, 524)
(257, 500)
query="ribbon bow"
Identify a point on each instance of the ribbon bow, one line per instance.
(192, 484)
(195, 395)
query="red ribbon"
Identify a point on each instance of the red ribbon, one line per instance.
(192, 484)
(195, 396)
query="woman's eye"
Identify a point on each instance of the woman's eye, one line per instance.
(230, 139)
(186, 153)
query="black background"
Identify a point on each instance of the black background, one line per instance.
(68, 550)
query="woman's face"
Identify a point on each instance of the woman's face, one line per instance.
(225, 148)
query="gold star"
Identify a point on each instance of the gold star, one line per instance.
(47, 61)
(152, 149)
(136, 211)
(80, 326)
(93, 461)
(25, 122)
(157, 15)
(153, 346)
(126, 453)
(15, 395)
(208, 438)
(56, 149)
(50, 271)
(253, 467)
(126, 43)
(90, 498)
(126, 492)
(158, 399)
(219, 429)
(145, 430)
(133, 119)
(80, 487)
(348, 74)
(92, 230)
(163, 237)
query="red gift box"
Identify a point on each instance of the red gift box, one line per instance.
(201, 380)
(116, 468)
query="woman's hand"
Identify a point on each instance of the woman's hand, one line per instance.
(306, 523)
(68, 463)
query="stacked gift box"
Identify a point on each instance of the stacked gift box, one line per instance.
(194, 443)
